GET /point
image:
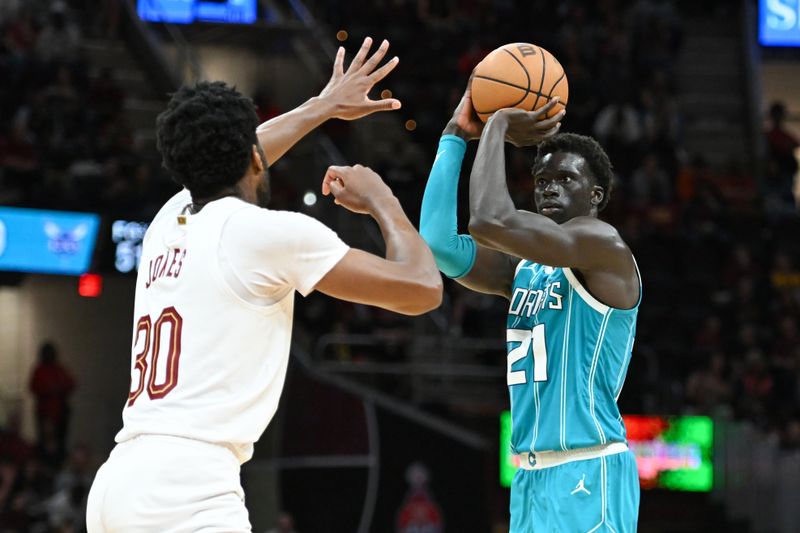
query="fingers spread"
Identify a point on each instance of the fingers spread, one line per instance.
(552, 131)
(338, 64)
(545, 109)
(384, 71)
(373, 61)
(387, 104)
(547, 123)
(358, 60)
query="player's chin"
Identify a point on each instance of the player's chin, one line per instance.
(556, 214)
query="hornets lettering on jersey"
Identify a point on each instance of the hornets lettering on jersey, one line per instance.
(567, 358)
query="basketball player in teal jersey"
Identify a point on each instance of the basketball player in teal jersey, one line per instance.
(574, 291)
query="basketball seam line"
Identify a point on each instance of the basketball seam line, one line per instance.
(521, 88)
(525, 70)
(515, 104)
(541, 83)
(563, 73)
(481, 76)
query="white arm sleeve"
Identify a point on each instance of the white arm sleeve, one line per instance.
(272, 252)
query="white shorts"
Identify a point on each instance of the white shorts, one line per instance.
(167, 484)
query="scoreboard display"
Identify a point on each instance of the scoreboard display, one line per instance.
(779, 22)
(672, 452)
(189, 11)
(46, 242)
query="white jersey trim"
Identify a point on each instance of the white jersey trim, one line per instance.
(519, 267)
(593, 302)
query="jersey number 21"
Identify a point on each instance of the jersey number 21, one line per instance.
(528, 338)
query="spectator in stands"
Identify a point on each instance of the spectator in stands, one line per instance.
(786, 337)
(690, 178)
(781, 164)
(661, 120)
(20, 36)
(12, 445)
(66, 507)
(8, 10)
(66, 510)
(23, 510)
(60, 39)
(265, 104)
(107, 24)
(708, 388)
(740, 265)
(52, 384)
(19, 160)
(618, 129)
(106, 95)
(710, 336)
(790, 436)
(15, 451)
(784, 278)
(650, 184)
(755, 388)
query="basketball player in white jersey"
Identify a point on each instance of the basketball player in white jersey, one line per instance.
(215, 293)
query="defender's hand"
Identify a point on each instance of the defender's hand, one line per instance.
(347, 92)
(526, 128)
(357, 188)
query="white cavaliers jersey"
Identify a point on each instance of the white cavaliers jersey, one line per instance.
(213, 318)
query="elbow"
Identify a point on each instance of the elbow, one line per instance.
(438, 243)
(484, 230)
(427, 296)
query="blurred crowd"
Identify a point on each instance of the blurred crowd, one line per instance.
(64, 139)
(719, 331)
(44, 484)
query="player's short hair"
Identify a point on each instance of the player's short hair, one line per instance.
(591, 152)
(206, 135)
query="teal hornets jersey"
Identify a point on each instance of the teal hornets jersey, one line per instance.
(568, 355)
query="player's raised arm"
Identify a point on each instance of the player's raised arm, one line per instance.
(565, 232)
(407, 280)
(495, 221)
(458, 256)
(345, 97)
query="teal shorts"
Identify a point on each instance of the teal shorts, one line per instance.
(586, 496)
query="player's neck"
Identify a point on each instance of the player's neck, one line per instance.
(199, 202)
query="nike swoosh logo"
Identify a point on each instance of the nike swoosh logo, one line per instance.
(438, 156)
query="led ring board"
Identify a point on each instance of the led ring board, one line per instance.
(189, 11)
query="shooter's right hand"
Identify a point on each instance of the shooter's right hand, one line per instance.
(465, 122)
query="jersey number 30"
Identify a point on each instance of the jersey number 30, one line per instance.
(527, 338)
(161, 341)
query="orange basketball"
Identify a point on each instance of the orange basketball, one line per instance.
(518, 75)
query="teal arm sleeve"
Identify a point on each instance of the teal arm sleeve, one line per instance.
(438, 223)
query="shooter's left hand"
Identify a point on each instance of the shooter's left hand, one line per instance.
(528, 128)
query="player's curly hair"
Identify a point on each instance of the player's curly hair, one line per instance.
(590, 150)
(206, 135)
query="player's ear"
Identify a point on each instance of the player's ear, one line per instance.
(256, 160)
(598, 193)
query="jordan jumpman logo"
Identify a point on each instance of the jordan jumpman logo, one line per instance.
(580, 487)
